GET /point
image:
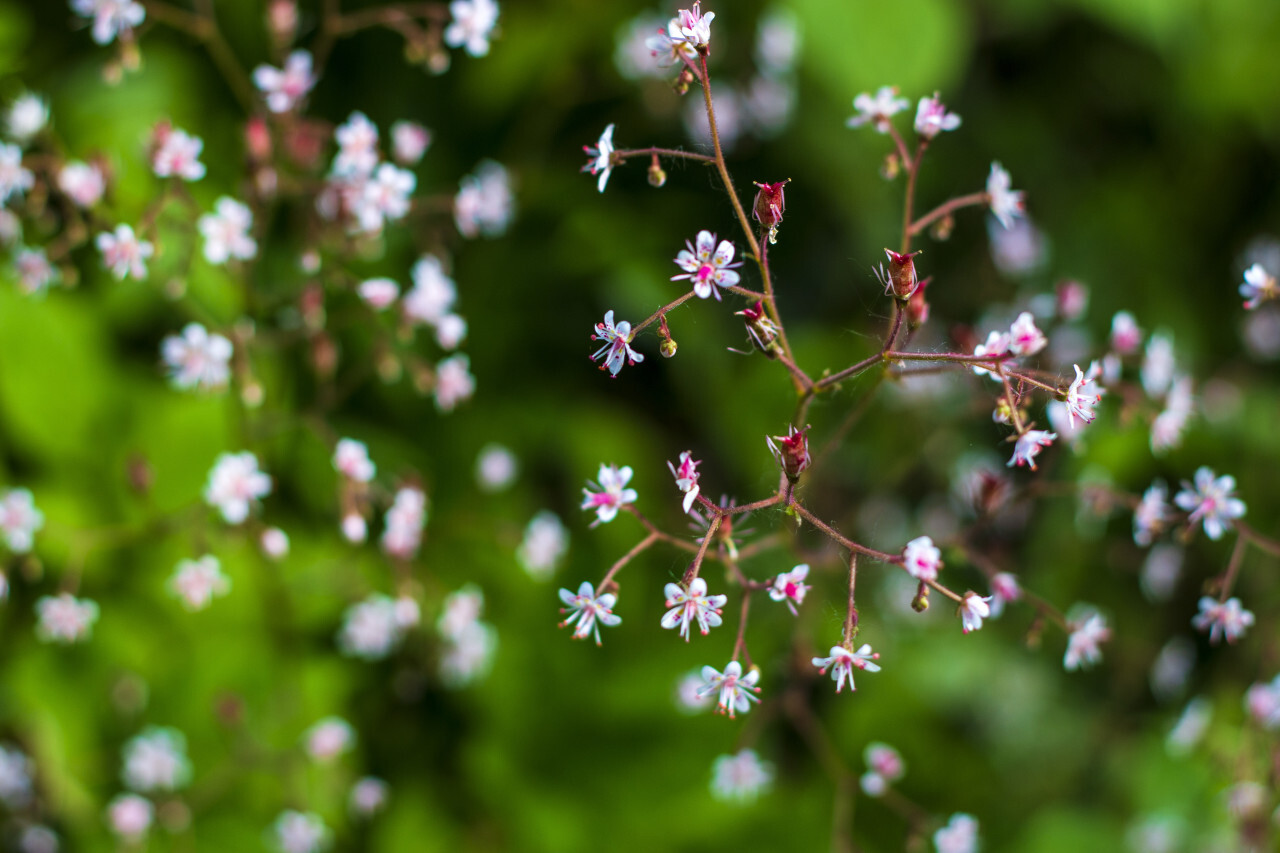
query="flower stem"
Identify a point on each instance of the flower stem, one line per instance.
(970, 200)
(638, 549)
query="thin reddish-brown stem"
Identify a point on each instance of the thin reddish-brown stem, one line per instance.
(1233, 568)
(909, 203)
(696, 565)
(1262, 543)
(851, 615)
(622, 155)
(946, 208)
(740, 644)
(639, 548)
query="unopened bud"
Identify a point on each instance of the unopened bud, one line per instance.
(891, 166)
(918, 307)
(902, 273)
(769, 206)
(760, 329)
(683, 81)
(324, 355)
(389, 367)
(941, 230)
(657, 177)
(252, 394)
(311, 306)
(257, 138)
(130, 56)
(438, 60)
(791, 451)
(921, 602)
(667, 345)
(282, 21)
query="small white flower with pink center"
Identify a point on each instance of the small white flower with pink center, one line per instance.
(1083, 643)
(14, 179)
(357, 147)
(235, 484)
(368, 796)
(299, 832)
(354, 528)
(616, 348)
(921, 559)
(378, 293)
(197, 358)
(1211, 501)
(409, 142)
(996, 345)
(110, 17)
(960, 835)
(433, 293)
(27, 116)
(1151, 514)
(692, 27)
(932, 117)
(65, 618)
(484, 204)
(285, 87)
(544, 545)
(83, 183)
(454, 382)
(496, 468)
(736, 691)
(16, 770)
(877, 110)
(842, 662)
(1262, 701)
(370, 630)
(1005, 203)
(451, 331)
(1079, 401)
(1222, 619)
(123, 253)
(1004, 590)
(329, 738)
(385, 197)
(1126, 337)
(588, 611)
(740, 778)
(196, 582)
(609, 493)
(1159, 365)
(130, 817)
(688, 699)
(351, 460)
(972, 610)
(707, 266)
(692, 605)
(1029, 445)
(790, 587)
(405, 521)
(1258, 287)
(668, 51)
(274, 543)
(156, 760)
(35, 273)
(686, 478)
(1024, 337)
(1179, 405)
(472, 25)
(177, 154)
(226, 232)
(601, 158)
(884, 767)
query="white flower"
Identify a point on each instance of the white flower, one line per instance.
(707, 264)
(468, 657)
(19, 520)
(384, 197)
(740, 778)
(354, 528)
(123, 253)
(1262, 701)
(197, 358)
(357, 147)
(433, 293)
(885, 761)
(842, 662)
(616, 348)
(692, 605)
(688, 699)
(1211, 501)
(405, 521)
(472, 25)
(1222, 619)
(235, 483)
(35, 273)
(484, 204)
(1160, 572)
(450, 331)
(686, 478)
(1029, 445)
(370, 630)
(609, 493)
(790, 587)
(14, 179)
(378, 293)
(667, 51)
(1126, 337)
(454, 382)
(932, 117)
(1168, 426)
(996, 345)
(284, 88)
(83, 183)
(16, 770)
(28, 115)
(368, 796)
(156, 760)
(226, 232)
(878, 109)
(1004, 589)
(409, 142)
(1158, 365)
(544, 545)
(601, 155)
(130, 817)
(275, 543)
(1083, 642)
(921, 559)
(178, 154)
(496, 468)
(351, 460)
(1151, 514)
(110, 17)
(736, 691)
(588, 611)
(296, 832)
(691, 27)
(960, 835)
(65, 618)
(1080, 403)
(973, 609)
(1005, 203)
(1258, 287)
(329, 738)
(196, 582)
(1024, 337)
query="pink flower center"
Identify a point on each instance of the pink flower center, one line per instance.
(705, 272)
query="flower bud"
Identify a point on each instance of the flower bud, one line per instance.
(769, 206)
(657, 177)
(257, 137)
(282, 21)
(791, 451)
(902, 273)
(918, 307)
(891, 166)
(667, 345)
(941, 230)
(760, 329)
(683, 82)
(921, 602)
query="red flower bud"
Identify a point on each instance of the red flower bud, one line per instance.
(902, 274)
(760, 329)
(791, 451)
(769, 206)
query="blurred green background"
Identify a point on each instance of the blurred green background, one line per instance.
(1145, 133)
